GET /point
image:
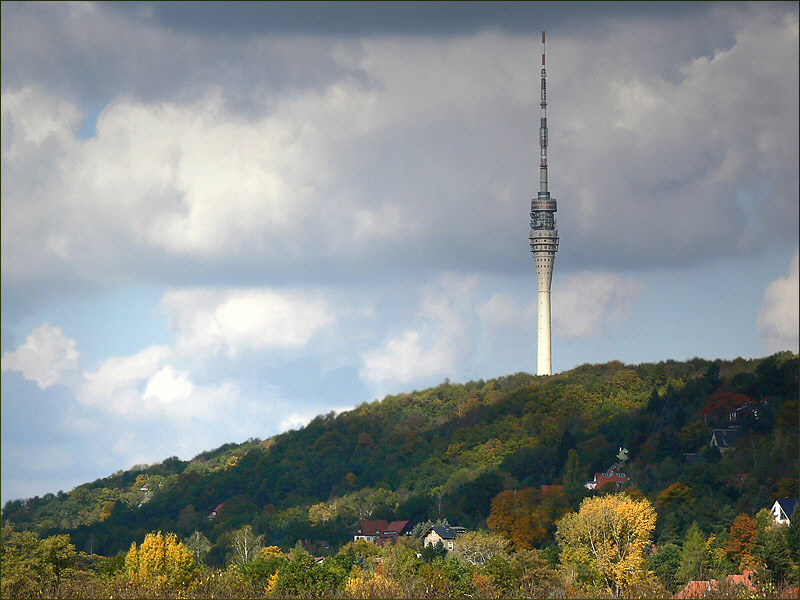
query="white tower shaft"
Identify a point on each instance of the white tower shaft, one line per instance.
(543, 238)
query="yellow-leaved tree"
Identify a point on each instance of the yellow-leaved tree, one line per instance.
(161, 562)
(606, 538)
(369, 584)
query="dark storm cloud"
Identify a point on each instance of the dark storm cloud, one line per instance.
(398, 18)
(427, 136)
(94, 52)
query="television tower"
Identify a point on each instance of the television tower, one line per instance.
(543, 238)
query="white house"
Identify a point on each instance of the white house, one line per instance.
(782, 510)
(445, 534)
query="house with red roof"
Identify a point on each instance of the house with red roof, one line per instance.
(381, 532)
(610, 475)
(706, 589)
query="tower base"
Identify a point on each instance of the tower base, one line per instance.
(543, 361)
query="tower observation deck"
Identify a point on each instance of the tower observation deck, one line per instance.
(543, 237)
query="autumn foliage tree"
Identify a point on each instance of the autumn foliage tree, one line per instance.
(677, 494)
(523, 517)
(160, 562)
(743, 533)
(514, 517)
(608, 534)
(724, 402)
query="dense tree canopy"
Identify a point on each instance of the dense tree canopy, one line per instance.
(509, 455)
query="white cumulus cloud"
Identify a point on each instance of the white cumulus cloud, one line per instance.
(436, 346)
(169, 385)
(245, 320)
(46, 357)
(115, 384)
(777, 320)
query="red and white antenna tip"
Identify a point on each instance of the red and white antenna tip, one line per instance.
(543, 48)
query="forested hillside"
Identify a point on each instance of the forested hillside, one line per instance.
(475, 454)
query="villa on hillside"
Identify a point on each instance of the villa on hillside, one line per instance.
(446, 534)
(738, 414)
(782, 510)
(706, 589)
(724, 439)
(610, 475)
(381, 532)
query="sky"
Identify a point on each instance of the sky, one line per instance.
(220, 220)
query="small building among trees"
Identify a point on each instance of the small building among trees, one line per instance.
(379, 531)
(783, 509)
(610, 475)
(446, 534)
(724, 439)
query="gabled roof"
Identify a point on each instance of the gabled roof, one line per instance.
(697, 589)
(372, 527)
(725, 438)
(787, 505)
(444, 532)
(609, 476)
(745, 579)
(702, 589)
(396, 528)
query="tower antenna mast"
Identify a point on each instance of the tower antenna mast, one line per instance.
(543, 126)
(543, 237)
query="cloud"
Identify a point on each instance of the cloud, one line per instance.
(436, 346)
(398, 160)
(168, 386)
(500, 310)
(582, 305)
(586, 303)
(298, 194)
(679, 150)
(47, 356)
(778, 319)
(183, 378)
(236, 321)
(115, 385)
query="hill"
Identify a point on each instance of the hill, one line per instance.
(448, 451)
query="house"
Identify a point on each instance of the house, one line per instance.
(738, 414)
(782, 510)
(697, 589)
(446, 534)
(706, 589)
(369, 530)
(214, 512)
(381, 532)
(610, 475)
(724, 439)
